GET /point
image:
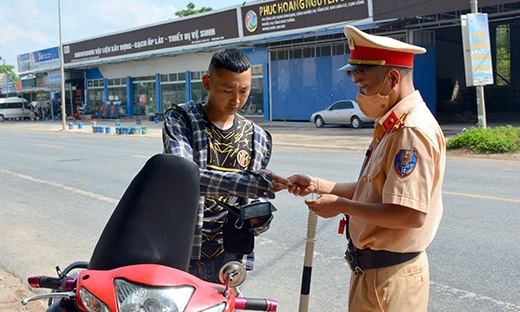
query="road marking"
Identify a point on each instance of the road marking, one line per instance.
(49, 145)
(140, 156)
(67, 188)
(483, 196)
(463, 294)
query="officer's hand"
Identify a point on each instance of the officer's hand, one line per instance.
(325, 206)
(301, 184)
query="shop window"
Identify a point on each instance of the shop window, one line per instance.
(198, 93)
(503, 55)
(298, 53)
(339, 49)
(172, 94)
(325, 51)
(95, 99)
(197, 75)
(308, 52)
(282, 55)
(116, 82)
(144, 96)
(255, 102)
(144, 78)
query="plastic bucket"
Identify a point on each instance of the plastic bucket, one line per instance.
(138, 121)
(144, 130)
(71, 126)
(80, 125)
(107, 130)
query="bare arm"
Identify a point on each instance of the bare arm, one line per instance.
(385, 215)
(303, 184)
(334, 200)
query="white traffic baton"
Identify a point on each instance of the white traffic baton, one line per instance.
(312, 222)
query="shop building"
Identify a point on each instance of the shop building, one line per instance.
(296, 48)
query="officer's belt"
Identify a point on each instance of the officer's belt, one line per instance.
(360, 260)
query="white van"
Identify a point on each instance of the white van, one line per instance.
(14, 107)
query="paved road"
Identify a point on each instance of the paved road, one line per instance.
(284, 134)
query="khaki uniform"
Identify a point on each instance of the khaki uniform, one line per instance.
(406, 168)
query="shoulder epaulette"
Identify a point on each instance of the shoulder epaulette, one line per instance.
(393, 123)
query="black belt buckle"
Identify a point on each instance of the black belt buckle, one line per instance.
(352, 262)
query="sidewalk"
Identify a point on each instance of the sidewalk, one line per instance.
(285, 133)
(303, 134)
(12, 291)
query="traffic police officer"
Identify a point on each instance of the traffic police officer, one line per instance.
(393, 211)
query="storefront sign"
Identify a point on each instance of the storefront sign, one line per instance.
(6, 83)
(54, 77)
(39, 60)
(279, 16)
(183, 33)
(384, 9)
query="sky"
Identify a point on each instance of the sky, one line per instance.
(32, 25)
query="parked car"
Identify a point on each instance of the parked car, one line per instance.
(14, 107)
(344, 112)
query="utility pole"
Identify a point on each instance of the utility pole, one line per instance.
(481, 105)
(63, 110)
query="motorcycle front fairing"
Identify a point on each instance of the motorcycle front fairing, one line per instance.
(147, 287)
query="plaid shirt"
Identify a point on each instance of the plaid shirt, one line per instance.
(184, 134)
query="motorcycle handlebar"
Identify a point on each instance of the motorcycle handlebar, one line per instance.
(255, 304)
(42, 281)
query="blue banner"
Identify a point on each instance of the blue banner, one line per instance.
(480, 49)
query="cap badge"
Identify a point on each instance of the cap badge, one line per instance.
(351, 44)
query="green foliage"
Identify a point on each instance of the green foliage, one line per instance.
(191, 10)
(503, 55)
(8, 69)
(487, 141)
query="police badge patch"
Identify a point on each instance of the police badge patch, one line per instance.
(405, 162)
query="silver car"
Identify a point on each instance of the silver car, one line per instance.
(344, 112)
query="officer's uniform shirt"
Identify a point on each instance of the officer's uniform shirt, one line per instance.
(406, 167)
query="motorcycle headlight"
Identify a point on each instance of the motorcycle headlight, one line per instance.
(136, 297)
(91, 302)
(218, 308)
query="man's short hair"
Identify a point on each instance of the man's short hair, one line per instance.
(231, 59)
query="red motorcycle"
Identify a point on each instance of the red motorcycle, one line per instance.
(141, 258)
